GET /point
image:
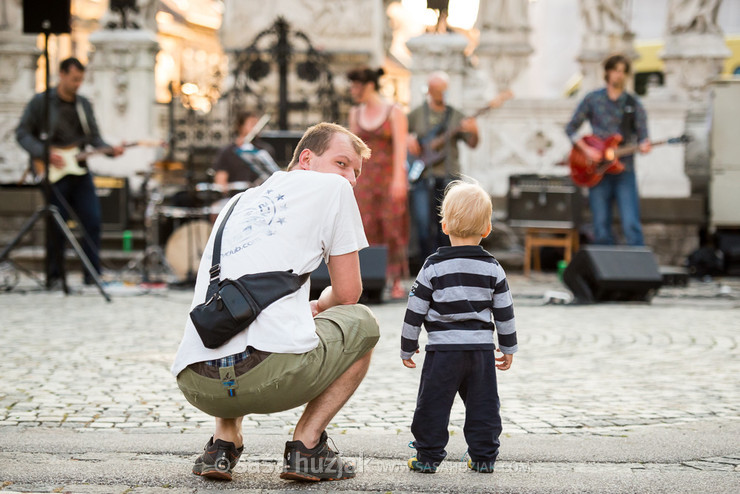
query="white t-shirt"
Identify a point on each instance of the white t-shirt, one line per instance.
(291, 221)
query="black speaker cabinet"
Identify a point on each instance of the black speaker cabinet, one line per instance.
(46, 16)
(600, 273)
(114, 201)
(544, 201)
(373, 261)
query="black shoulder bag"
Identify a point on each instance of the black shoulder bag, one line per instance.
(232, 305)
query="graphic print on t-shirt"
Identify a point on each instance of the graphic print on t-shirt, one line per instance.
(261, 218)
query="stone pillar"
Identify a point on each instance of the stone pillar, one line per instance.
(18, 57)
(433, 52)
(606, 31)
(694, 53)
(694, 49)
(503, 50)
(120, 81)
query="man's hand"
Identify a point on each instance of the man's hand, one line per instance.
(409, 362)
(592, 154)
(117, 150)
(506, 361)
(645, 146)
(56, 160)
(469, 125)
(315, 310)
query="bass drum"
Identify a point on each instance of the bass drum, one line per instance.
(185, 247)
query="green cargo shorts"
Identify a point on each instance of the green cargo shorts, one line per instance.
(285, 380)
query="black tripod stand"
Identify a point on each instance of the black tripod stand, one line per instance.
(50, 212)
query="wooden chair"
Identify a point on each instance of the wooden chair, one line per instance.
(536, 237)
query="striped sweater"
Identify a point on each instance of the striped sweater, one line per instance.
(458, 295)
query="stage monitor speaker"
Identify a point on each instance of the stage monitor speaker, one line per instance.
(599, 273)
(373, 261)
(46, 16)
(113, 194)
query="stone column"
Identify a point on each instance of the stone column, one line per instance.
(120, 81)
(606, 32)
(503, 50)
(694, 53)
(433, 52)
(18, 57)
(694, 49)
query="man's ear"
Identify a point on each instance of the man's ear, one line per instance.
(304, 159)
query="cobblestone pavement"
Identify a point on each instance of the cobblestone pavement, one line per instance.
(78, 362)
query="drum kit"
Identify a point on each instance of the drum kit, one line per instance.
(178, 219)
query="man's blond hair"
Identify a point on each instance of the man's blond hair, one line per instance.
(466, 209)
(318, 137)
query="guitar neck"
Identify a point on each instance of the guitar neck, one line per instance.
(495, 103)
(107, 149)
(627, 150)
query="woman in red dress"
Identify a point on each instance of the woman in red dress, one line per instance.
(381, 193)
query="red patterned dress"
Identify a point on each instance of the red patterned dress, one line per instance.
(386, 223)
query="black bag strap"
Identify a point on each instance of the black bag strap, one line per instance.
(215, 271)
(268, 284)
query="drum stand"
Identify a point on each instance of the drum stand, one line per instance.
(153, 255)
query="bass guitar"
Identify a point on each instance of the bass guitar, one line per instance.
(588, 173)
(433, 143)
(72, 157)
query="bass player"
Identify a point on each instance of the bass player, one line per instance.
(71, 123)
(433, 118)
(612, 110)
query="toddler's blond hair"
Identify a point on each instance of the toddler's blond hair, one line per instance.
(466, 209)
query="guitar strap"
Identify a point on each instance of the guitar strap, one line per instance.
(83, 118)
(83, 121)
(627, 126)
(438, 129)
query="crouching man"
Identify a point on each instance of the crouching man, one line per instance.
(297, 351)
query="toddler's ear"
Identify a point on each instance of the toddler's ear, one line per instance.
(444, 228)
(488, 231)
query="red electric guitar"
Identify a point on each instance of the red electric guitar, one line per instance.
(588, 173)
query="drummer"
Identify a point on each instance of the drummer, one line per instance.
(243, 164)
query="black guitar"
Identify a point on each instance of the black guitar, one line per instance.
(433, 143)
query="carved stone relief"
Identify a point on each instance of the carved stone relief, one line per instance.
(503, 15)
(340, 18)
(504, 49)
(693, 16)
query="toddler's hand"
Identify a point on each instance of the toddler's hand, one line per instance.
(409, 362)
(506, 361)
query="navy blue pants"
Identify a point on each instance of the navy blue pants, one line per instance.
(446, 373)
(79, 192)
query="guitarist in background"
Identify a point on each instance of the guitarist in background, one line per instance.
(71, 123)
(611, 110)
(427, 121)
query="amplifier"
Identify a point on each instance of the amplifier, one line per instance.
(544, 201)
(114, 201)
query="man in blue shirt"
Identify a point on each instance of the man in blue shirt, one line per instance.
(611, 110)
